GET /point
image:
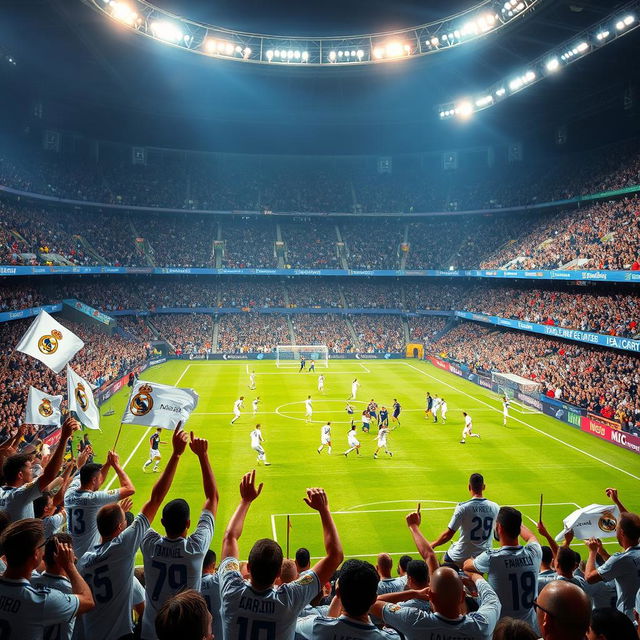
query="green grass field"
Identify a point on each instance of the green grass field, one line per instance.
(370, 498)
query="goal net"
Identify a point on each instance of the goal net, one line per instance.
(289, 355)
(523, 392)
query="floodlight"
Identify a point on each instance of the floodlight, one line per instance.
(553, 64)
(360, 54)
(629, 20)
(270, 55)
(602, 35)
(500, 92)
(620, 25)
(305, 56)
(332, 56)
(464, 109)
(166, 31)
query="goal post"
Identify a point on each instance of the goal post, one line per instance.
(522, 392)
(288, 355)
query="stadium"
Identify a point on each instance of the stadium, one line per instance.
(383, 270)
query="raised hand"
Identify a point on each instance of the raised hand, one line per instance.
(414, 519)
(69, 426)
(594, 544)
(64, 555)
(113, 458)
(248, 491)
(199, 446)
(612, 494)
(126, 504)
(542, 530)
(179, 440)
(317, 499)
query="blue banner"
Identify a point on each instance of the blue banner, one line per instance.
(563, 411)
(613, 342)
(88, 311)
(6, 316)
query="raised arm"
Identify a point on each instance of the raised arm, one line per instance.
(542, 530)
(527, 535)
(55, 462)
(591, 574)
(443, 538)
(162, 486)
(612, 494)
(66, 559)
(248, 493)
(200, 447)
(425, 550)
(126, 486)
(325, 568)
(105, 467)
(58, 498)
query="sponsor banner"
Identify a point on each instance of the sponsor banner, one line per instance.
(6, 316)
(605, 432)
(53, 438)
(564, 412)
(89, 311)
(156, 361)
(485, 382)
(532, 400)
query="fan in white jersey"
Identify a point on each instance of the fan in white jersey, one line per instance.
(325, 438)
(29, 610)
(443, 409)
(475, 519)
(505, 409)
(468, 428)
(252, 380)
(512, 570)
(354, 389)
(173, 562)
(321, 383)
(355, 594)
(352, 439)
(383, 432)
(255, 404)
(308, 409)
(109, 567)
(237, 405)
(256, 445)
(256, 608)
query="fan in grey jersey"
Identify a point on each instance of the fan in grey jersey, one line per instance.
(623, 568)
(28, 610)
(257, 608)
(388, 584)
(475, 519)
(448, 619)
(83, 499)
(349, 612)
(173, 562)
(417, 580)
(512, 570)
(20, 490)
(108, 568)
(210, 590)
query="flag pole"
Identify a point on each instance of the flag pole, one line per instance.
(288, 532)
(540, 513)
(117, 437)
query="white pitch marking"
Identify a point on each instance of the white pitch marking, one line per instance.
(144, 435)
(273, 528)
(365, 368)
(526, 424)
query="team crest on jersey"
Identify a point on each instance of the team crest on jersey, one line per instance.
(607, 522)
(394, 607)
(307, 578)
(142, 402)
(81, 397)
(45, 409)
(49, 342)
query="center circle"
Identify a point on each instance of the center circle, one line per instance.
(284, 414)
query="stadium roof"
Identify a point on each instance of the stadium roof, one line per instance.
(103, 79)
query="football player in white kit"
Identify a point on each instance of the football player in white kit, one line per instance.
(434, 408)
(254, 405)
(443, 409)
(325, 438)
(252, 380)
(382, 441)
(468, 428)
(256, 445)
(505, 410)
(308, 409)
(354, 388)
(321, 383)
(352, 439)
(237, 405)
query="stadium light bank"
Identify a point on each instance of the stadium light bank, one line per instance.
(620, 23)
(484, 18)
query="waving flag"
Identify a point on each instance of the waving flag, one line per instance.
(594, 521)
(158, 405)
(42, 408)
(80, 399)
(50, 342)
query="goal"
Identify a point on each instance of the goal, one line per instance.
(288, 355)
(523, 392)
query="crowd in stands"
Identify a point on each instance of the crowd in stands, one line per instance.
(601, 380)
(379, 333)
(250, 293)
(311, 244)
(242, 332)
(188, 334)
(332, 331)
(425, 328)
(249, 244)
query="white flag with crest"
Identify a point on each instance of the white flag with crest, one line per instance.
(594, 521)
(80, 399)
(42, 408)
(50, 342)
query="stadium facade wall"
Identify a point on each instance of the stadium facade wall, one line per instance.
(524, 274)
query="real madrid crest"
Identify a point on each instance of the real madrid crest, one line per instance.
(81, 396)
(48, 343)
(142, 402)
(607, 522)
(45, 409)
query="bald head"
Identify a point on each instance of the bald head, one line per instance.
(564, 611)
(447, 591)
(385, 564)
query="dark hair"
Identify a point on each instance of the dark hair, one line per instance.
(303, 557)
(183, 616)
(209, 558)
(629, 524)
(129, 517)
(512, 629)
(40, 504)
(13, 465)
(566, 559)
(50, 546)
(20, 540)
(108, 519)
(511, 521)
(5, 520)
(175, 517)
(417, 571)
(265, 560)
(89, 471)
(404, 561)
(358, 584)
(547, 554)
(476, 481)
(612, 624)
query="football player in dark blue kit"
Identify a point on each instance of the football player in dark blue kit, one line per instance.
(396, 411)
(303, 364)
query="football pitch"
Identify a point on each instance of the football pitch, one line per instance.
(534, 454)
